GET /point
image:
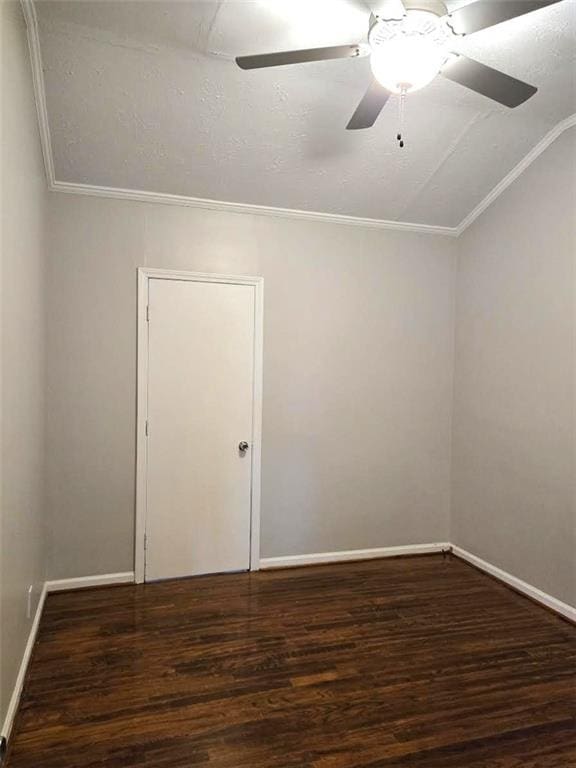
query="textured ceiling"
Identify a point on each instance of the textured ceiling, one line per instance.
(145, 95)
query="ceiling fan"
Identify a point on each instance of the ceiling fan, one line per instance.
(409, 43)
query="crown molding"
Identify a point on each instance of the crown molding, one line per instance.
(511, 177)
(29, 11)
(231, 207)
(143, 196)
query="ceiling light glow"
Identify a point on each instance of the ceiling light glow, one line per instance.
(408, 53)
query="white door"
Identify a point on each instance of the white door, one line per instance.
(200, 409)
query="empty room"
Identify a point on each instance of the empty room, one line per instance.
(288, 384)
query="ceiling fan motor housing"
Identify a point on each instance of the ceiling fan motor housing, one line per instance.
(436, 7)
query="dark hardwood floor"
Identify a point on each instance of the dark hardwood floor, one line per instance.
(414, 662)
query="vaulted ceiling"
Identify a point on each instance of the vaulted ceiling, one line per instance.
(146, 96)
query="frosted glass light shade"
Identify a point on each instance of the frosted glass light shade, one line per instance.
(408, 53)
(407, 62)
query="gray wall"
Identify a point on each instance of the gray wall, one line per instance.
(514, 469)
(357, 375)
(21, 350)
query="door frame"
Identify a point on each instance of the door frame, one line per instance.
(144, 276)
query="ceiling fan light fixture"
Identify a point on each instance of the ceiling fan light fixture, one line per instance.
(407, 65)
(407, 54)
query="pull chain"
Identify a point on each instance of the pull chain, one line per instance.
(401, 115)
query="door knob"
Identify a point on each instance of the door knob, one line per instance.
(243, 446)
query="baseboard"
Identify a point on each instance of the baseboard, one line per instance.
(59, 585)
(82, 582)
(568, 611)
(290, 561)
(19, 684)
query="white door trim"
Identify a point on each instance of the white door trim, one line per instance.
(144, 276)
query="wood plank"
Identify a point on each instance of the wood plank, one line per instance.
(408, 663)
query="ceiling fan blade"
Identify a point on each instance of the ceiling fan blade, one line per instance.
(369, 108)
(486, 13)
(299, 57)
(489, 82)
